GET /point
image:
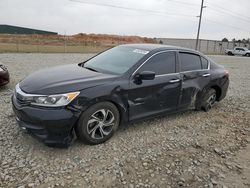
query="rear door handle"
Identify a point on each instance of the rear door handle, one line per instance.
(206, 75)
(174, 80)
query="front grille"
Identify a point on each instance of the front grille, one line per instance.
(20, 100)
(23, 102)
(21, 97)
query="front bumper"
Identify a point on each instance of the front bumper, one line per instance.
(54, 127)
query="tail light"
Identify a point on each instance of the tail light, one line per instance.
(3, 68)
(226, 73)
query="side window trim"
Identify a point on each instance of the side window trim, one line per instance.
(177, 68)
(208, 61)
(208, 68)
(159, 75)
(201, 57)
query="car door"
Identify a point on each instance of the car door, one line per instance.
(237, 51)
(242, 51)
(195, 75)
(149, 97)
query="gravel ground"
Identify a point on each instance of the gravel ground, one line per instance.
(190, 149)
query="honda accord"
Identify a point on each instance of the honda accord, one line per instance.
(131, 82)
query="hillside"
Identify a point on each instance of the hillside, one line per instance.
(59, 43)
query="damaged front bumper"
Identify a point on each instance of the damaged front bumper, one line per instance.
(54, 127)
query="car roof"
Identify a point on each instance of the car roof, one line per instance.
(151, 47)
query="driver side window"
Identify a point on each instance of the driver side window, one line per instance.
(162, 63)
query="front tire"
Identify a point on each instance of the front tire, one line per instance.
(208, 100)
(98, 123)
(248, 54)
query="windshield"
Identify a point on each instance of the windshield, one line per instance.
(117, 60)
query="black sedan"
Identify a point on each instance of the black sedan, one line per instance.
(123, 84)
(4, 75)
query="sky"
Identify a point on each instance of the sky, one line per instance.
(149, 18)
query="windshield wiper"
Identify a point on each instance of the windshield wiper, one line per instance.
(89, 68)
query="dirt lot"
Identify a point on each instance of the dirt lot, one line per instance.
(191, 149)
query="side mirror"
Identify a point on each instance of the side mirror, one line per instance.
(145, 75)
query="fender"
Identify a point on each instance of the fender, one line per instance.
(92, 96)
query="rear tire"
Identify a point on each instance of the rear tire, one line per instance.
(208, 100)
(98, 123)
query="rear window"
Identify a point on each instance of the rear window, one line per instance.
(240, 49)
(189, 62)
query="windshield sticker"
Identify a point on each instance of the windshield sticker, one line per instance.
(140, 51)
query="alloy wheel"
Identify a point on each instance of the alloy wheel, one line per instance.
(211, 100)
(100, 124)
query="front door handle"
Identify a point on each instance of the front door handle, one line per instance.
(206, 75)
(174, 80)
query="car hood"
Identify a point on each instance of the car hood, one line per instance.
(63, 79)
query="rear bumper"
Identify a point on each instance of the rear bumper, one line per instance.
(224, 89)
(4, 78)
(54, 127)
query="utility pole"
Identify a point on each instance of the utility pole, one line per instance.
(198, 33)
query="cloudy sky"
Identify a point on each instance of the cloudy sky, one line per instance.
(151, 18)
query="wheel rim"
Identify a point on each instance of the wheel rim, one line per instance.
(100, 124)
(211, 100)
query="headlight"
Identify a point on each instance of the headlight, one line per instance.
(54, 100)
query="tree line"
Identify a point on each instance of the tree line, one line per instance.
(245, 41)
